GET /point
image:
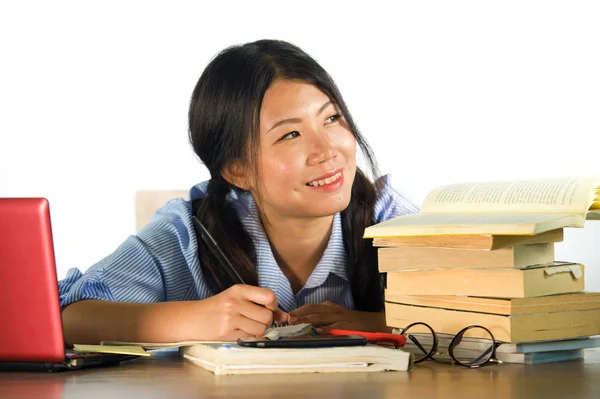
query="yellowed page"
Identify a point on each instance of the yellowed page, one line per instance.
(568, 195)
(430, 224)
(121, 349)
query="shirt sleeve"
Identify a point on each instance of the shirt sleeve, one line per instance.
(391, 203)
(158, 264)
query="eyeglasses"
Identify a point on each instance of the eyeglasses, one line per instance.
(423, 342)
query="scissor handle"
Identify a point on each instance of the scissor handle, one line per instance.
(374, 337)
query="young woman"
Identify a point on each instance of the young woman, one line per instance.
(286, 204)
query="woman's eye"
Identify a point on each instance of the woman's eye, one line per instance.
(290, 135)
(333, 118)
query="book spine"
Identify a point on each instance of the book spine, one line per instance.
(411, 258)
(494, 283)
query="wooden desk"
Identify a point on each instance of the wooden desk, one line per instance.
(168, 376)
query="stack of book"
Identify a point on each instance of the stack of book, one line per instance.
(478, 254)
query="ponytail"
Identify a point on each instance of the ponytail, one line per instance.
(365, 280)
(221, 221)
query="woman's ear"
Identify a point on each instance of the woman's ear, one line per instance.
(237, 173)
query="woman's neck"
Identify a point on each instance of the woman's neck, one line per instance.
(298, 245)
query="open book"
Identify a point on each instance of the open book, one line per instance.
(518, 207)
(222, 359)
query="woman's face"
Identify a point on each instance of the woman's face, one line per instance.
(307, 153)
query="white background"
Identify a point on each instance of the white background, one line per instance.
(94, 96)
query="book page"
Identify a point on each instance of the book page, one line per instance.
(117, 349)
(159, 345)
(424, 224)
(557, 195)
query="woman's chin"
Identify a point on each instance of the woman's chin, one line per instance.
(328, 208)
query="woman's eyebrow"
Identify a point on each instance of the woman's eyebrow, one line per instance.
(298, 120)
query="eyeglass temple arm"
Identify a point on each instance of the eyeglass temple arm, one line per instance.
(416, 342)
(484, 354)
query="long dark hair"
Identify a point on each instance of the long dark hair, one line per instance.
(224, 126)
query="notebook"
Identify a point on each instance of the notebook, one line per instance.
(224, 359)
(32, 335)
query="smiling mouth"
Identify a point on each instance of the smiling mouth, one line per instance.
(329, 180)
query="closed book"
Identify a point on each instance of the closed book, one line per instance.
(500, 283)
(411, 258)
(525, 358)
(503, 306)
(469, 241)
(473, 348)
(558, 345)
(516, 328)
(223, 359)
(542, 357)
(482, 344)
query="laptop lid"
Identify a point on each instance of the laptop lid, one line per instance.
(29, 304)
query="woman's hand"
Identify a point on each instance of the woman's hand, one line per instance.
(238, 312)
(328, 315)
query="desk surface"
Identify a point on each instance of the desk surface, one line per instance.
(167, 375)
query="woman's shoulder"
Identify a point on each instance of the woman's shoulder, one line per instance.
(240, 200)
(198, 191)
(176, 214)
(390, 202)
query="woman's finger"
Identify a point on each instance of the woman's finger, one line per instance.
(311, 309)
(281, 317)
(255, 312)
(259, 295)
(319, 319)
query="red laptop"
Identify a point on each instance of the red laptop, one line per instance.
(31, 335)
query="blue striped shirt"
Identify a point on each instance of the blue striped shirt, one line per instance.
(160, 263)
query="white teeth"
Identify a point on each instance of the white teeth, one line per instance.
(316, 183)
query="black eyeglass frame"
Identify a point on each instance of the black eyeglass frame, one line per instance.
(453, 344)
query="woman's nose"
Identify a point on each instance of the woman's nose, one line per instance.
(322, 150)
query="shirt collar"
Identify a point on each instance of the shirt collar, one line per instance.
(270, 276)
(334, 258)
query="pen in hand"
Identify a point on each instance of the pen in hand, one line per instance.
(213, 247)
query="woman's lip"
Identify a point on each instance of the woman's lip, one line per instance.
(331, 187)
(335, 172)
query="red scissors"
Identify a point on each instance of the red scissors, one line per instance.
(397, 340)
